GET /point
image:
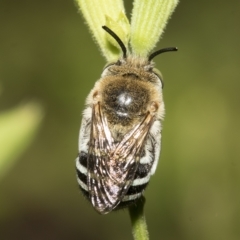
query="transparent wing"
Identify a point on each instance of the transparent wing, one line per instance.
(111, 167)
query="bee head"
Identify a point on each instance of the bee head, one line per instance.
(124, 49)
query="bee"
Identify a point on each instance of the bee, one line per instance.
(120, 134)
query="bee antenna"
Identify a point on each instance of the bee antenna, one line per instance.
(119, 41)
(169, 49)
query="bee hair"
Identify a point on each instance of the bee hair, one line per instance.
(154, 54)
(118, 40)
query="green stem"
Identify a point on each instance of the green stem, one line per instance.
(139, 225)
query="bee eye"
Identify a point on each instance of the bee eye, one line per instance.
(105, 69)
(159, 75)
(109, 65)
(162, 83)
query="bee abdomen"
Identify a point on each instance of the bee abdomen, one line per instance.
(134, 192)
(81, 167)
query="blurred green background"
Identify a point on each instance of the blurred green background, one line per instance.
(48, 60)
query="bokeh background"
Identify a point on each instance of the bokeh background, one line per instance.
(49, 60)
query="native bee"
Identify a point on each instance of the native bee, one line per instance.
(120, 134)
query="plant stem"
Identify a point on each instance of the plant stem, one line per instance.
(139, 225)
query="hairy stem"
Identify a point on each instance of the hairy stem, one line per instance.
(139, 225)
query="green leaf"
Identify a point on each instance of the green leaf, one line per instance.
(98, 13)
(149, 18)
(17, 130)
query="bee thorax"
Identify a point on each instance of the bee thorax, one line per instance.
(125, 101)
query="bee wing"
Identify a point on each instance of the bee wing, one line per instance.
(112, 167)
(101, 144)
